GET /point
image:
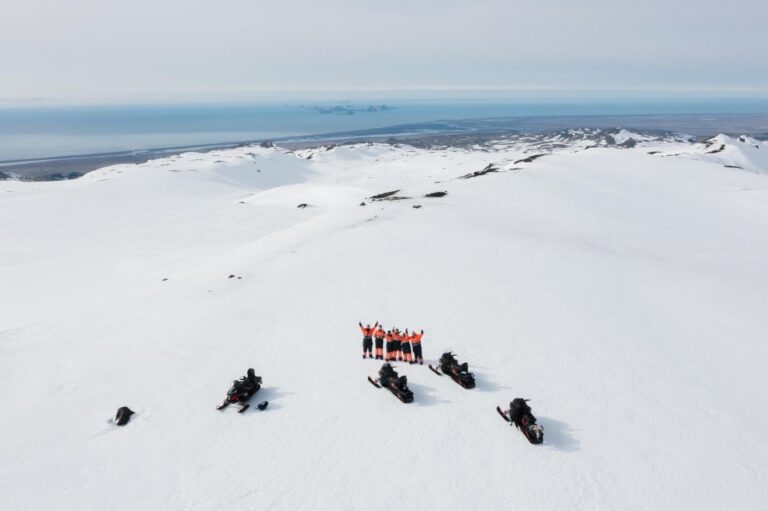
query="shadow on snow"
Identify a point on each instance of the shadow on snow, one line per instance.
(424, 395)
(558, 435)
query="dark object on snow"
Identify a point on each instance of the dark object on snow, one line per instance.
(416, 206)
(520, 415)
(362, 203)
(458, 372)
(231, 277)
(302, 205)
(718, 150)
(530, 158)
(267, 144)
(123, 415)
(242, 390)
(165, 279)
(435, 195)
(486, 170)
(383, 195)
(398, 385)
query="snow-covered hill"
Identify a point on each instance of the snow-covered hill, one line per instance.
(623, 290)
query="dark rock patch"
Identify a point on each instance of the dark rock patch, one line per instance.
(489, 168)
(436, 194)
(416, 206)
(123, 415)
(530, 158)
(362, 203)
(302, 205)
(733, 167)
(393, 197)
(383, 195)
(628, 143)
(718, 150)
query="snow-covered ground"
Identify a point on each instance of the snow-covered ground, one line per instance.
(623, 290)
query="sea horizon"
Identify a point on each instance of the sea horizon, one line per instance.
(43, 132)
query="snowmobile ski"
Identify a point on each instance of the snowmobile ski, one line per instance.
(435, 370)
(503, 415)
(261, 406)
(374, 383)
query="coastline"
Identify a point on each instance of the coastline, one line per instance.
(446, 132)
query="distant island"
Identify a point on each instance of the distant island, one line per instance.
(348, 109)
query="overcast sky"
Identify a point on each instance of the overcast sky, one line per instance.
(104, 48)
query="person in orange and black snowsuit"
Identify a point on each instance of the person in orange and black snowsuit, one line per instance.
(388, 339)
(416, 345)
(397, 339)
(378, 336)
(367, 338)
(406, 347)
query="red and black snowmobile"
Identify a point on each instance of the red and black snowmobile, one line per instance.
(520, 415)
(458, 372)
(389, 379)
(242, 391)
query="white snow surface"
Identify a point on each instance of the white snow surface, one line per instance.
(623, 292)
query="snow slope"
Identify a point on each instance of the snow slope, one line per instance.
(623, 292)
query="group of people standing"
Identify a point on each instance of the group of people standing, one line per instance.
(400, 346)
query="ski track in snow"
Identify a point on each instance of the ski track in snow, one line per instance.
(623, 292)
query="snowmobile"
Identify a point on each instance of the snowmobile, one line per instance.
(242, 391)
(389, 379)
(520, 415)
(458, 372)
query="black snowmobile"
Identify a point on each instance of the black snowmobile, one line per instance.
(520, 415)
(458, 372)
(242, 391)
(389, 379)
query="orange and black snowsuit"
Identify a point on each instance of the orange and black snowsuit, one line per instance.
(416, 344)
(378, 336)
(367, 338)
(406, 347)
(388, 338)
(397, 339)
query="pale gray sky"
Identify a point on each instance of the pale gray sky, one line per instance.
(95, 48)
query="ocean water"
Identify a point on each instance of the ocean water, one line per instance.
(45, 132)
